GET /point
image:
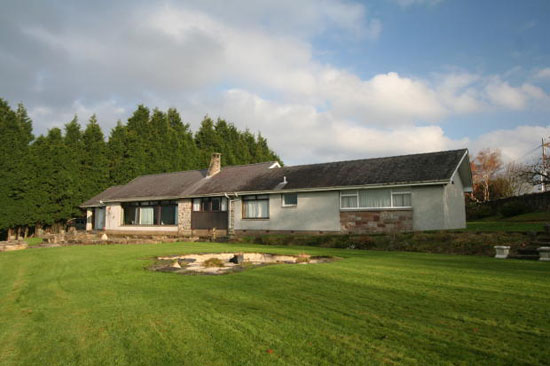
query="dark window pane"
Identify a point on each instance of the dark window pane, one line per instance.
(168, 215)
(156, 216)
(215, 204)
(206, 204)
(131, 215)
(290, 199)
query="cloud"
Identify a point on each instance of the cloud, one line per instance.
(517, 143)
(503, 94)
(407, 3)
(543, 74)
(257, 68)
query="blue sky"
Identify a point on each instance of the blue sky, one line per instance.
(322, 80)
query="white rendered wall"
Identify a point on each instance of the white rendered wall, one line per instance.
(316, 211)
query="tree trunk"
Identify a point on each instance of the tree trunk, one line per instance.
(26, 232)
(18, 232)
(10, 233)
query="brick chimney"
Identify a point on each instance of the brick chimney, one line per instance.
(215, 164)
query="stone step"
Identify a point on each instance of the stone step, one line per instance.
(528, 251)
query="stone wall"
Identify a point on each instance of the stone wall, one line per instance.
(364, 222)
(184, 217)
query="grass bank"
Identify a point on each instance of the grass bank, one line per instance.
(96, 305)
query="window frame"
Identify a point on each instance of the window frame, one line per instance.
(355, 193)
(157, 212)
(401, 193)
(254, 197)
(284, 204)
(207, 202)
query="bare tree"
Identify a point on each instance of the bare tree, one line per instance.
(518, 177)
(538, 174)
(485, 167)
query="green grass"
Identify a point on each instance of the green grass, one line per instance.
(33, 241)
(96, 305)
(503, 226)
(532, 221)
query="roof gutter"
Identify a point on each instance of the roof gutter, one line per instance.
(271, 191)
(324, 189)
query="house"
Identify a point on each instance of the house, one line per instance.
(400, 193)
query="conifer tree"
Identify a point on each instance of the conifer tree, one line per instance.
(73, 166)
(95, 165)
(118, 155)
(44, 180)
(207, 141)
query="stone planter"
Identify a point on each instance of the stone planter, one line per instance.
(544, 254)
(502, 251)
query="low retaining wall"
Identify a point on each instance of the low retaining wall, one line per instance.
(8, 246)
(383, 221)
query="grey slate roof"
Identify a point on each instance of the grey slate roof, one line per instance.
(404, 169)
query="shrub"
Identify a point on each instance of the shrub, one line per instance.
(513, 208)
(478, 211)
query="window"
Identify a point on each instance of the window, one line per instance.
(215, 204)
(131, 215)
(256, 207)
(348, 199)
(197, 204)
(150, 213)
(290, 200)
(401, 199)
(374, 198)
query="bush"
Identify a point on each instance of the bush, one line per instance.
(476, 211)
(448, 242)
(510, 209)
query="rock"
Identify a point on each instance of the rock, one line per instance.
(175, 264)
(237, 259)
(104, 237)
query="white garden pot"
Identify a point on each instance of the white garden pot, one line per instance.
(502, 251)
(544, 254)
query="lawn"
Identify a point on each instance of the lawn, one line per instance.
(532, 221)
(504, 226)
(96, 305)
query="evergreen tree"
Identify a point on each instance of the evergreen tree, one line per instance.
(138, 142)
(118, 155)
(44, 180)
(53, 195)
(185, 154)
(95, 165)
(73, 166)
(207, 141)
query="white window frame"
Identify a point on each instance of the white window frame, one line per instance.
(355, 193)
(400, 192)
(283, 204)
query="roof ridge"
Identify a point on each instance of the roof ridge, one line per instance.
(377, 158)
(199, 170)
(167, 173)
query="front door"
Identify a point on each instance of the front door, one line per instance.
(99, 218)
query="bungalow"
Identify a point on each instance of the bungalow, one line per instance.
(400, 193)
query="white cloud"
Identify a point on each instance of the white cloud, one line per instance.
(518, 143)
(543, 74)
(256, 68)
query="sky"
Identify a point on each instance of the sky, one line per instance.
(322, 80)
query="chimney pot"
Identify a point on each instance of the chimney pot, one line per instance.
(215, 164)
